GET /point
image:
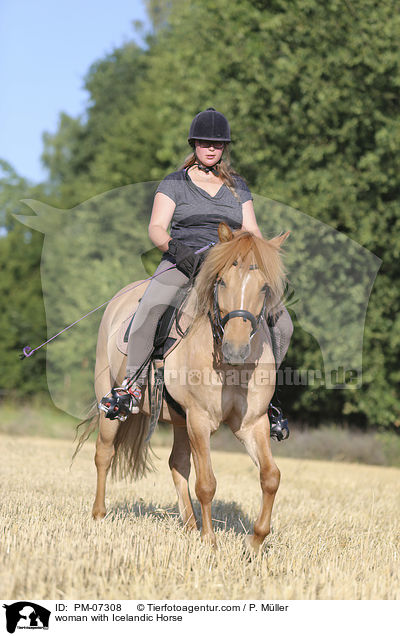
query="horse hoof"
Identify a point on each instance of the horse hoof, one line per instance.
(98, 515)
(252, 545)
(190, 526)
(209, 539)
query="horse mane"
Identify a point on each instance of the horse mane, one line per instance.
(247, 250)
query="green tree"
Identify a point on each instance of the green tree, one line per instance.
(22, 320)
(312, 93)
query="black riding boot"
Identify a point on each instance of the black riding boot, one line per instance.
(279, 427)
(122, 401)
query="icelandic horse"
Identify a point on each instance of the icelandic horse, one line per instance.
(240, 283)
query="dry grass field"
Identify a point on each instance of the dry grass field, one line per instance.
(336, 531)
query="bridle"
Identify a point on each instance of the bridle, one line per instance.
(218, 323)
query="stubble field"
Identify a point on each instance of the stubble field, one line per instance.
(336, 531)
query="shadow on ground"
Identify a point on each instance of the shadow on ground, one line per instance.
(225, 515)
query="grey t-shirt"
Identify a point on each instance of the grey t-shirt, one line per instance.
(197, 214)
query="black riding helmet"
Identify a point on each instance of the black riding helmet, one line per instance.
(210, 125)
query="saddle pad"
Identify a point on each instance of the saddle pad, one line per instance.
(174, 336)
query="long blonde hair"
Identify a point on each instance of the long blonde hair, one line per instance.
(225, 170)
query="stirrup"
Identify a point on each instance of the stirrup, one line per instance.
(117, 405)
(279, 426)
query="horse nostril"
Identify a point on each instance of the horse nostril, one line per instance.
(235, 355)
(227, 350)
(244, 351)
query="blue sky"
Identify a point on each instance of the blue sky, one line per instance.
(46, 48)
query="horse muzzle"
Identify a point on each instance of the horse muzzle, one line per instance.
(235, 354)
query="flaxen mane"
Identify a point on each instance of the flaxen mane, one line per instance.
(247, 250)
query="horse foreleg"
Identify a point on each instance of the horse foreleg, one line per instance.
(256, 440)
(198, 426)
(179, 463)
(104, 454)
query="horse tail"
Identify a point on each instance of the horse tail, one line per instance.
(133, 456)
(91, 424)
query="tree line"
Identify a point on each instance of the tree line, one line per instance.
(312, 94)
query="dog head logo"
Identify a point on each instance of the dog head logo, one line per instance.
(93, 250)
(26, 615)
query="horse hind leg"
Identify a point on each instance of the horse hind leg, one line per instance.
(179, 463)
(103, 458)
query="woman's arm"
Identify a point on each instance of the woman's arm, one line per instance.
(249, 223)
(161, 215)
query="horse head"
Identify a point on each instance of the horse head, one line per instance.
(241, 281)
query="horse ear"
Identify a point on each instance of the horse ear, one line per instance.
(47, 217)
(277, 241)
(225, 233)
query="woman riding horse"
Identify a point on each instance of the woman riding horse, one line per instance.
(195, 200)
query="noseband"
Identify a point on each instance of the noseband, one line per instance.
(218, 323)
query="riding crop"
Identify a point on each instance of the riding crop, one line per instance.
(27, 351)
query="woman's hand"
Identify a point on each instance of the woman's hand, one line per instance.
(186, 260)
(163, 209)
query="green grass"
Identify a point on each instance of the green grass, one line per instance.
(329, 443)
(37, 418)
(40, 418)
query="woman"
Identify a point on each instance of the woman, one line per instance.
(195, 199)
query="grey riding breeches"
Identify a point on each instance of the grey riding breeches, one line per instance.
(156, 299)
(281, 334)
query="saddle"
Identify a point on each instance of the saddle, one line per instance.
(172, 326)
